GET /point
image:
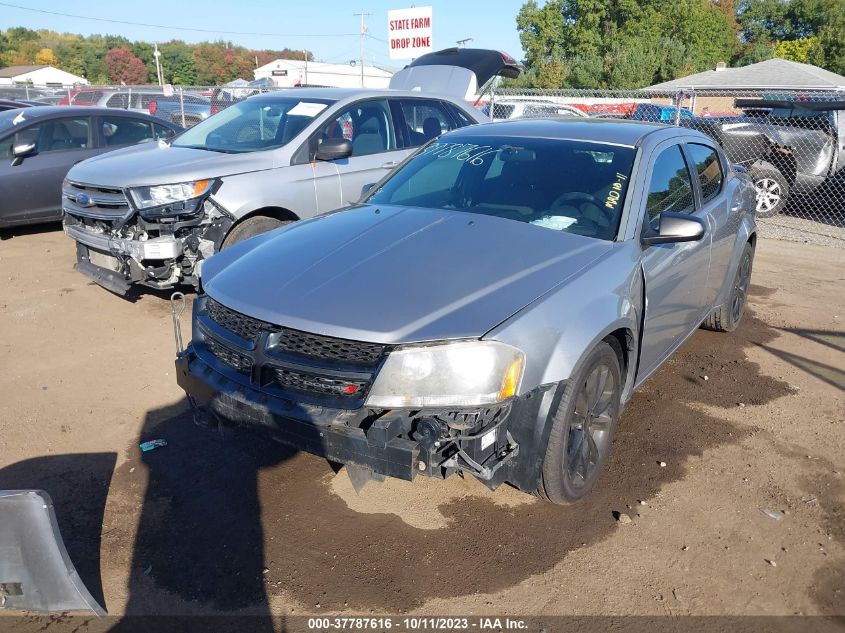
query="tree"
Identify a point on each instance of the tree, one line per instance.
(624, 43)
(46, 56)
(801, 50)
(124, 68)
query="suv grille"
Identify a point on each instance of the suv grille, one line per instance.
(296, 343)
(92, 201)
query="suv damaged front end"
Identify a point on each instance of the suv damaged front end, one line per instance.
(154, 236)
(397, 410)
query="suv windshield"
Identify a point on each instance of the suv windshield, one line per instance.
(563, 185)
(253, 125)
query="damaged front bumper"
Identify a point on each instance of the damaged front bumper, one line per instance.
(496, 444)
(118, 247)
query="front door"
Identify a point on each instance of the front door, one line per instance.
(32, 190)
(676, 275)
(375, 151)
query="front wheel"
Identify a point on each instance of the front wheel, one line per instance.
(582, 428)
(251, 227)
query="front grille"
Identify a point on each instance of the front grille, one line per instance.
(297, 343)
(322, 385)
(94, 201)
(235, 360)
(244, 326)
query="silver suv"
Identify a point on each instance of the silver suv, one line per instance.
(150, 214)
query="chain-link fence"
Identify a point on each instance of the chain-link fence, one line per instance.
(791, 142)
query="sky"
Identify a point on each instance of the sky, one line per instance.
(327, 28)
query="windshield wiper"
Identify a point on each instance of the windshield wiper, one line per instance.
(222, 150)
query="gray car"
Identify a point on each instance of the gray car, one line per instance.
(489, 308)
(39, 145)
(150, 215)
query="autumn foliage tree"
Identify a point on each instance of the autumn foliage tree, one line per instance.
(124, 67)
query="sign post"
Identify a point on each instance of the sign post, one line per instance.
(409, 32)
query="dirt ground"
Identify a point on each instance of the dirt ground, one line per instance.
(228, 523)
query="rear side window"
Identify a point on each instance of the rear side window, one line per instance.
(87, 97)
(426, 119)
(119, 100)
(460, 116)
(709, 170)
(670, 188)
(125, 131)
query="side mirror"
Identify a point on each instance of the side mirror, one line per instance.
(21, 151)
(675, 227)
(740, 169)
(366, 189)
(334, 149)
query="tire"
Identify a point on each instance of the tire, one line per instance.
(772, 190)
(563, 479)
(726, 318)
(251, 227)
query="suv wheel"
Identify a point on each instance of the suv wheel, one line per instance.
(583, 427)
(772, 190)
(251, 227)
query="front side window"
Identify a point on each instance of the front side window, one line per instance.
(253, 125)
(549, 183)
(670, 188)
(426, 119)
(368, 125)
(125, 131)
(57, 135)
(709, 170)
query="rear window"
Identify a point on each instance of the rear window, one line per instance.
(563, 185)
(88, 97)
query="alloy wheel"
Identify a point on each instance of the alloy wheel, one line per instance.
(589, 430)
(769, 194)
(740, 289)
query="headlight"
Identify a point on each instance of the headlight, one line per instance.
(160, 195)
(467, 373)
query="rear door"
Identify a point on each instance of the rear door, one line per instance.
(32, 190)
(676, 275)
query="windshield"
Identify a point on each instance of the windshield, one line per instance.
(253, 125)
(562, 185)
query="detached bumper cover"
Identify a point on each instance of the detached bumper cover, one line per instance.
(36, 573)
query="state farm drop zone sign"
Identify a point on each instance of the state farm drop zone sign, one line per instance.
(409, 32)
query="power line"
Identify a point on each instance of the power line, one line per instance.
(175, 28)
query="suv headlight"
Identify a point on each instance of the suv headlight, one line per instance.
(466, 373)
(170, 195)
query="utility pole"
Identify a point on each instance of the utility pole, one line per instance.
(363, 34)
(305, 57)
(157, 54)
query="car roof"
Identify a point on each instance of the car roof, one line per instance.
(51, 111)
(619, 132)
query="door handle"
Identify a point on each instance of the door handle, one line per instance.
(390, 164)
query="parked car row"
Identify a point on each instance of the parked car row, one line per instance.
(440, 294)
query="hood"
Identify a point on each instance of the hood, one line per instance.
(156, 164)
(396, 275)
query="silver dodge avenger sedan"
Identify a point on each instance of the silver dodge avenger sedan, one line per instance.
(489, 307)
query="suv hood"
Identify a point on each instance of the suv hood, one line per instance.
(157, 164)
(394, 274)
